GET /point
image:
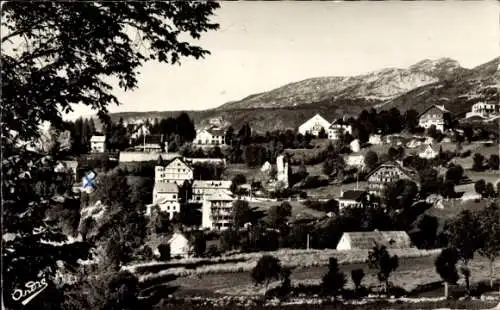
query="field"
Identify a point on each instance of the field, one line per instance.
(412, 273)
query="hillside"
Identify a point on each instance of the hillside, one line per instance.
(457, 93)
(378, 85)
(422, 84)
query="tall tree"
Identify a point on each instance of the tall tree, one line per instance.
(446, 267)
(55, 54)
(464, 235)
(334, 280)
(490, 235)
(380, 259)
(268, 268)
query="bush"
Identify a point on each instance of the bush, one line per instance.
(164, 250)
(357, 276)
(334, 280)
(268, 268)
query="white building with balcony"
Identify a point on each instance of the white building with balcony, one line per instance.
(203, 189)
(483, 109)
(216, 211)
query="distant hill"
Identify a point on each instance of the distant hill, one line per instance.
(422, 84)
(457, 93)
(378, 85)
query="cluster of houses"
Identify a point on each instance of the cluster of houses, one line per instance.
(175, 180)
(175, 186)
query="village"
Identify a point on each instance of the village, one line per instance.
(398, 190)
(166, 155)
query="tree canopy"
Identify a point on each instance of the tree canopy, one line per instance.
(54, 55)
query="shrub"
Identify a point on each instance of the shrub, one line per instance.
(380, 259)
(334, 280)
(357, 276)
(268, 268)
(446, 267)
(164, 250)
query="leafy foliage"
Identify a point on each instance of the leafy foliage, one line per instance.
(357, 276)
(490, 234)
(268, 268)
(446, 265)
(334, 280)
(380, 259)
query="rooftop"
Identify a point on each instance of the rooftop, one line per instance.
(368, 239)
(98, 139)
(352, 195)
(166, 187)
(212, 184)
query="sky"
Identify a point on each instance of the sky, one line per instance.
(264, 45)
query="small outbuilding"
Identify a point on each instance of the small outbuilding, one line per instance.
(179, 245)
(368, 239)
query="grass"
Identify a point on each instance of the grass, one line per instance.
(293, 258)
(412, 273)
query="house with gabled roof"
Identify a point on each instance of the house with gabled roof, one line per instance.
(166, 197)
(210, 136)
(180, 246)
(175, 171)
(98, 144)
(366, 240)
(433, 116)
(338, 128)
(388, 173)
(314, 125)
(351, 199)
(430, 152)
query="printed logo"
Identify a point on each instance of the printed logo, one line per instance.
(88, 182)
(31, 290)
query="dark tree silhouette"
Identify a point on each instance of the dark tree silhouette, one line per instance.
(65, 52)
(334, 280)
(268, 268)
(380, 259)
(446, 267)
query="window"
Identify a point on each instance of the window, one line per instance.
(174, 196)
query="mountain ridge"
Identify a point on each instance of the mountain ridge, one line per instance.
(456, 87)
(380, 84)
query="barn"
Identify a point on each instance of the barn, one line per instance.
(368, 239)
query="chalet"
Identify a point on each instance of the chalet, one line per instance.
(314, 125)
(351, 199)
(151, 144)
(337, 129)
(216, 211)
(484, 110)
(388, 173)
(429, 152)
(176, 171)
(369, 239)
(180, 246)
(98, 144)
(166, 197)
(210, 136)
(433, 116)
(202, 189)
